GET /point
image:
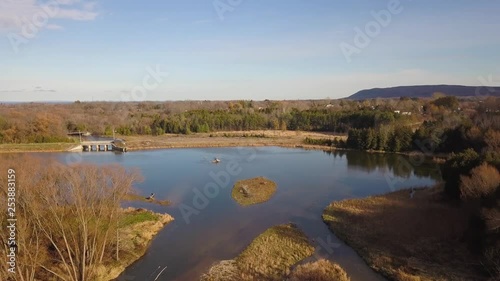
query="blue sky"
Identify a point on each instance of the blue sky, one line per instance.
(254, 49)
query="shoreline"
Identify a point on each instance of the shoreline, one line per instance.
(141, 232)
(290, 139)
(303, 146)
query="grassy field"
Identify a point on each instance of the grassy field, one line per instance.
(271, 256)
(132, 218)
(35, 147)
(253, 191)
(407, 239)
(137, 229)
(227, 139)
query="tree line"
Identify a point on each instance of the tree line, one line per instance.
(37, 123)
(444, 130)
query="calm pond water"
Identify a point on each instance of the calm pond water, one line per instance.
(209, 226)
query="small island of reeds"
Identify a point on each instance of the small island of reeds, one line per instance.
(253, 191)
(272, 256)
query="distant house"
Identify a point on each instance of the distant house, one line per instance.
(406, 113)
(329, 105)
(397, 111)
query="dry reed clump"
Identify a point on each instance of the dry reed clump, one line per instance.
(272, 253)
(268, 257)
(407, 238)
(223, 271)
(253, 191)
(321, 270)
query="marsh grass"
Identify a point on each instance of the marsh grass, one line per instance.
(259, 190)
(407, 239)
(272, 253)
(321, 270)
(268, 257)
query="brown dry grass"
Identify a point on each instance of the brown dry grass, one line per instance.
(228, 139)
(321, 270)
(226, 270)
(407, 239)
(259, 190)
(214, 139)
(268, 257)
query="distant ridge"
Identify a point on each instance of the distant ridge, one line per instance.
(426, 91)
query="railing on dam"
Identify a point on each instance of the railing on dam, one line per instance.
(102, 146)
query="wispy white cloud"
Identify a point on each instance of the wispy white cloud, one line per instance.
(13, 91)
(15, 14)
(54, 27)
(24, 90)
(41, 89)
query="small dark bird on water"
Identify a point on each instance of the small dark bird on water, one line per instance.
(412, 192)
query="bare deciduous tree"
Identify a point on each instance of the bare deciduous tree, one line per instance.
(67, 217)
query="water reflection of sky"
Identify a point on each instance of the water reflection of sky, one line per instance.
(307, 182)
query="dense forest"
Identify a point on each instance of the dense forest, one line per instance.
(33, 122)
(441, 124)
(466, 130)
(390, 121)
